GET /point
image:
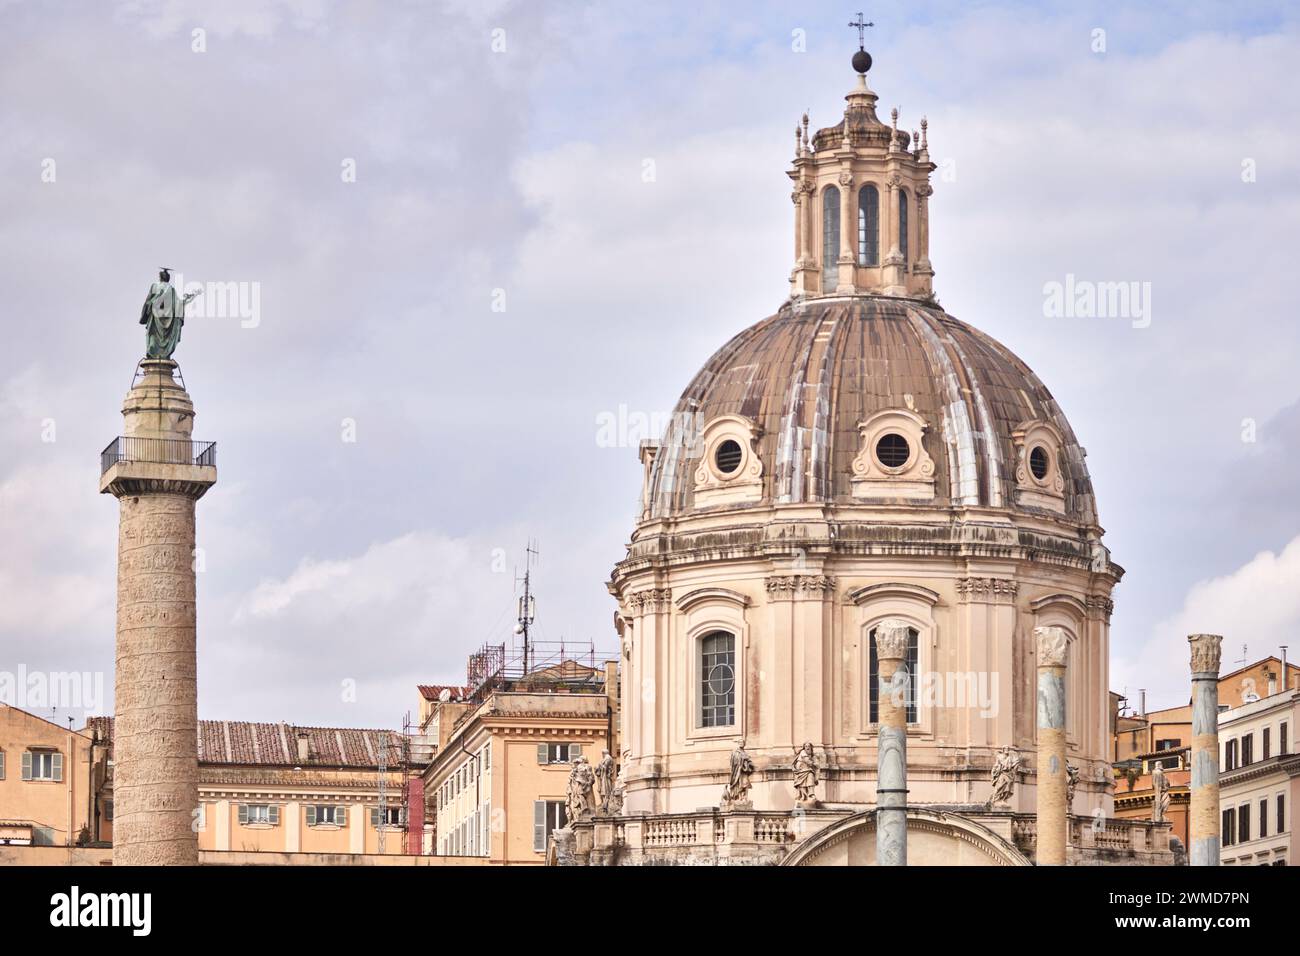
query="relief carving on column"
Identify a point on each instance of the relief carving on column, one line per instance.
(892, 638)
(1206, 650)
(1053, 644)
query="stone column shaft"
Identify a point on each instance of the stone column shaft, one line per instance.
(1203, 817)
(156, 478)
(1052, 812)
(891, 638)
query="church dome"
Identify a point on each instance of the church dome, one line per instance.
(874, 400)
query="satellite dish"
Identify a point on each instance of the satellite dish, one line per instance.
(1249, 698)
(519, 628)
(444, 695)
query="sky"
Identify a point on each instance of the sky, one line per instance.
(468, 235)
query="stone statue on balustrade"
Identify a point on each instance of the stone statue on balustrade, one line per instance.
(735, 795)
(1160, 795)
(580, 803)
(805, 776)
(604, 782)
(1003, 776)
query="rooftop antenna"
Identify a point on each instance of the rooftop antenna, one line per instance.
(527, 603)
(1243, 660)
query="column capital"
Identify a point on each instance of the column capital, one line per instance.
(1206, 650)
(1052, 644)
(892, 635)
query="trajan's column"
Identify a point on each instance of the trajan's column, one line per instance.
(157, 473)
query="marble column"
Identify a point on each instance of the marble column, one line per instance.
(848, 234)
(1203, 817)
(1053, 644)
(891, 781)
(157, 475)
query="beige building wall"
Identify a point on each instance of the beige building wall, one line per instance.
(296, 822)
(53, 806)
(486, 793)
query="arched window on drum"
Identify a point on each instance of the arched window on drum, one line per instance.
(717, 679)
(830, 238)
(868, 226)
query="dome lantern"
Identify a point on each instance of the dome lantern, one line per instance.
(861, 196)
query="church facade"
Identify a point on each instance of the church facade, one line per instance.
(857, 458)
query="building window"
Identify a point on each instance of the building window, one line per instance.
(1265, 746)
(728, 456)
(1247, 750)
(830, 238)
(1230, 755)
(326, 815)
(392, 818)
(868, 226)
(1243, 823)
(718, 680)
(1281, 813)
(2, 764)
(43, 765)
(259, 814)
(1263, 818)
(1281, 738)
(892, 450)
(558, 753)
(548, 815)
(1168, 744)
(1039, 463)
(1228, 828)
(108, 813)
(902, 223)
(873, 678)
(487, 756)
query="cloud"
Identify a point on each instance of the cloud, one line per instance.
(1257, 605)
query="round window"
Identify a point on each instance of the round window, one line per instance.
(721, 679)
(1039, 463)
(728, 456)
(893, 451)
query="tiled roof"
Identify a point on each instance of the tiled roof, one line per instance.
(243, 743)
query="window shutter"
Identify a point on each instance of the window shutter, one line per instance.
(311, 814)
(575, 751)
(539, 825)
(374, 817)
(541, 754)
(27, 765)
(274, 814)
(341, 816)
(57, 762)
(243, 814)
(2, 764)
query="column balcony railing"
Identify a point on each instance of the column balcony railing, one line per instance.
(163, 451)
